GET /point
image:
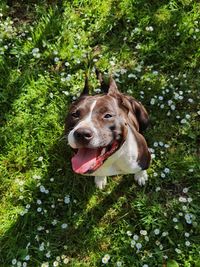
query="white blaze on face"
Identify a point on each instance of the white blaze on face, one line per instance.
(86, 122)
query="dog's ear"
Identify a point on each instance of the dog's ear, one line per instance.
(141, 114)
(86, 86)
(104, 85)
(107, 87)
(113, 90)
(135, 109)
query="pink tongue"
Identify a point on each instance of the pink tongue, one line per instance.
(84, 160)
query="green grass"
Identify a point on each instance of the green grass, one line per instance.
(48, 215)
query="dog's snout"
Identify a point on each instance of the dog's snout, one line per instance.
(83, 135)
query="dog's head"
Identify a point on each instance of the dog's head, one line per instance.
(97, 125)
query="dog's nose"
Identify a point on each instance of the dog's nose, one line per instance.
(83, 135)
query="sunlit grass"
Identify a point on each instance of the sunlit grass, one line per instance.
(52, 217)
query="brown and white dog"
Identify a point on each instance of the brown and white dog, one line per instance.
(105, 132)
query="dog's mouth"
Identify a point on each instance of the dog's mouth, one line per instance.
(88, 160)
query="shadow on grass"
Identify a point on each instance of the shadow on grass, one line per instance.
(80, 214)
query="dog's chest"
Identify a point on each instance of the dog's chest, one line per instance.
(123, 161)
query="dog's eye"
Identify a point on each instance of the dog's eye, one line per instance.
(76, 114)
(107, 116)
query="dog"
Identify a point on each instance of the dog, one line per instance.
(106, 133)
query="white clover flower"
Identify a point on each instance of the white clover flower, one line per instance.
(155, 72)
(152, 102)
(138, 46)
(163, 175)
(54, 222)
(66, 261)
(173, 107)
(14, 261)
(129, 233)
(182, 199)
(19, 264)
(36, 177)
(187, 116)
(178, 250)
(187, 243)
(155, 144)
(40, 158)
(187, 234)
(165, 234)
(24, 264)
(146, 238)
(157, 231)
(145, 265)
(191, 170)
(175, 220)
(45, 264)
(185, 190)
(188, 216)
(55, 263)
(184, 207)
(138, 246)
(183, 121)
(143, 232)
(42, 189)
(190, 100)
(170, 102)
(133, 243)
(160, 97)
(48, 254)
(119, 264)
(39, 202)
(64, 225)
(40, 228)
(158, 189)
(105, 259)
(67, 64)
(189, 199)
(180, 214)
(27, 258)
(135, 237)
(35, 50)
(67, 199)
(131, 75)
(39, 209)
(56, 59)
(161, 247)
(167, 170)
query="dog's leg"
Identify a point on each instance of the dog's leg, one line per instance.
(100, 181)
(141, 177)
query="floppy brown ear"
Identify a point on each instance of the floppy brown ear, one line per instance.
(136, 109)
(142, 115)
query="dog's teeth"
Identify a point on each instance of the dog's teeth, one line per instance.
(103, 151)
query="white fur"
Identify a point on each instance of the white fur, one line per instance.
(87, 122)
(124, 161)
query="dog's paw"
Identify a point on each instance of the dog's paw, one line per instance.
(141, 177)
(100, 181)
